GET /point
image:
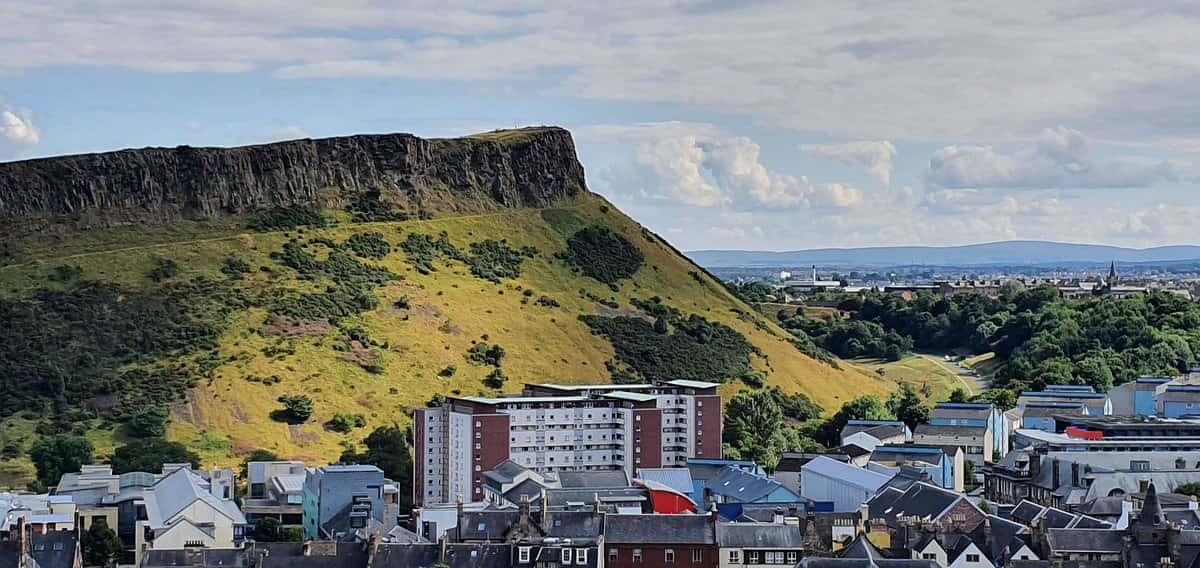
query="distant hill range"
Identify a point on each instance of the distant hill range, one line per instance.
(1021, 253)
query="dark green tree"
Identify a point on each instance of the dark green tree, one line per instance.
(959, 394)
(389, 449)
(149, 455)
(267, 530)
(752, 418)
(908, 406)
(100, 544)
(296, 409)
(55, 455)
(149, 422)
(865, 407)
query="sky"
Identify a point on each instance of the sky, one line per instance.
(720, 125)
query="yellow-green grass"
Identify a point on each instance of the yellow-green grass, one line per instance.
(228, 415)
(986, 364)
(917, 371)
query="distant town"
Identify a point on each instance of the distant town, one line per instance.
(791, 284)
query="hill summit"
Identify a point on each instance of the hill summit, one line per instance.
(292, 297)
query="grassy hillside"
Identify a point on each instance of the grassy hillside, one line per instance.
(384, 361)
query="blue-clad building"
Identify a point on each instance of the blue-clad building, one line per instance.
(931, 460)
(1180, 400)
(1095, 403)
(976, 415)
(340, 499)
(1145, 395)
(1041, 415)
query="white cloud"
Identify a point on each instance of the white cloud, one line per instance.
(1059, 159)
(292, 132)
(874, 156)
(852, 69)
(699, 165)
(17, 129)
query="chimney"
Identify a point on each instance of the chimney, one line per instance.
(1075, 479)
(544, 506)
(22, 542)
(864, 514)
(372, 549)
(712, 512)
(596, 504)
(778, 517)
(1054, 473)
(443, 549)
(1192, 505)
(987, 531)
(459, 524)
(306, 548)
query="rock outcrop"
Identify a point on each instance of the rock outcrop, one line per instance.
(533, 167)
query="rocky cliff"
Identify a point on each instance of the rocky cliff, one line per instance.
(533, 167)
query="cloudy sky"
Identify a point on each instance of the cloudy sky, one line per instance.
(759, 125)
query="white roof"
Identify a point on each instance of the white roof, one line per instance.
(174, 492)
(854, 475)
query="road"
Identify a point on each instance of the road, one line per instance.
(973, 384)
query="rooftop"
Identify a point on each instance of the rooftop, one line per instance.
(856, 476)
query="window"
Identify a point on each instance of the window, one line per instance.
(669, 555)
(637, 555)
(696, 556)
(928, 556)
(478, 446)
(612, 555)
(566, 556)
(972, 558)
(791, 557)
(752, 557)
(1139, 465)
(581, 556)
(735, 557)
(523, 555)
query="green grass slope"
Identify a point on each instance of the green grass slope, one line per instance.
(422, 325)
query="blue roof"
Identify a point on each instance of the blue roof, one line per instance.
(1070, 388)
(1051, 394)
(876, 422)
(710, 461)
(1043, 404)
(962, 405)
(907, 450)
(350, 468)
(1155, 380)
(854, 475)
(743, 486)
(1183, 388)
(677, 478)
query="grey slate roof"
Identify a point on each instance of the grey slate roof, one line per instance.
(1026, 512)
(659, 529)
(1085, 540)
(862, 554)
(573, 524)
(922, 500)
(406, 556)
(529, 488)
(941, 430)
(197, 557)
(1057, 518)
(486, 525)
(677, 478)
(55, 549)
(1004, 532)
(593, 479)
(561, 498)
(741, 486)
(879, 431)
(760, 535)
(324, 555)
(976, 413)
(1086, 522)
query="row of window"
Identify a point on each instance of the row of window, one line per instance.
(580, 555)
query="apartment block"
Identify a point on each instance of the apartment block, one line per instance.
(553, 428)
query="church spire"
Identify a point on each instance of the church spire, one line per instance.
(1112, 274)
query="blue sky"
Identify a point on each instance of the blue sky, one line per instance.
(720, 125)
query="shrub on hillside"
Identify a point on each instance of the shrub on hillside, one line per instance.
(283, 218)
(234, 267)
(547, 301)
(603, 254)
(344, 423)
(164, 269)
(369, 245)
(149, 455)
(483, 354)
(149, 422)
(367, 207)
(493, 260)
(696, 349)
(495, 379)
(297, 408)
(422, 250)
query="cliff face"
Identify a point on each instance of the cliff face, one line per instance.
(534, 167)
